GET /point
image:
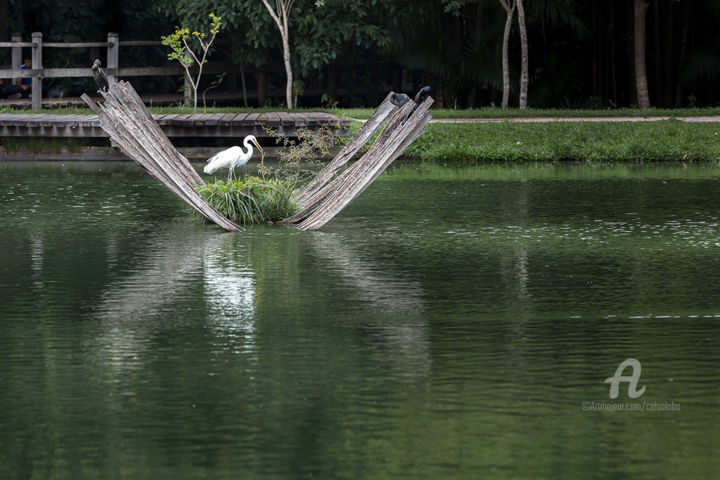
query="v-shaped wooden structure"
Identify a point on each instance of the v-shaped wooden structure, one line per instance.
(131, 127)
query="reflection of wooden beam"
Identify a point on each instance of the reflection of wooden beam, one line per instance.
(126, 120)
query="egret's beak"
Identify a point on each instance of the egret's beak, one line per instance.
(257, 145)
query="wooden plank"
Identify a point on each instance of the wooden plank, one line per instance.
(214, 119)
(298, 120)
(166, 119)
(311, 120)
(261, 119)
(140, 43)
(286, 119)
(201, 119)
(397, 135)
(125, 119)
(310, 195)
(89, 121)
(71, 121)
(180, 120)
(227, 119)
(46, 121)
(249, 119)
(188, 125)
(75, 44)
(273, 120)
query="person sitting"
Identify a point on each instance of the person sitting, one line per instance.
(9, 91)
(25, 83)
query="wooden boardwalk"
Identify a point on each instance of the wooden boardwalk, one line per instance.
(232, 125)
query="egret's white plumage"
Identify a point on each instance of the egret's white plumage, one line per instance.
(232, 157)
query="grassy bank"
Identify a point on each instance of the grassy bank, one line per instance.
(365, 113)
(489, 113)
(669, 140)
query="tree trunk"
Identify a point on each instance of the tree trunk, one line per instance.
(523, 57)
(643, 97)
(510, 11)
(288, 67)
(282, 20)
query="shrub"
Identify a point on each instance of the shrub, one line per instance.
(251, 199)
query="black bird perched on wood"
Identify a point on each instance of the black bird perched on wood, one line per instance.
(100, 78)
(420, 97)
(399, 99)
(422, 94)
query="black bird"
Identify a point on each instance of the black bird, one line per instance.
(420, 97)
(399, 99)
(99, 75)
(422, 94)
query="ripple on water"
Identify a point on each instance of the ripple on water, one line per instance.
(439, 327)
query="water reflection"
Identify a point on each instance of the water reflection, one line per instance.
(230, 293)
(36, 259)
(171, 266)
(441, 327)
(402, 327)
(380, 284)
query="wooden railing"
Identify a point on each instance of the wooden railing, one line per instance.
(113, 44)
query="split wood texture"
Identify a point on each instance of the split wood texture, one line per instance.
(131, 127)
(330, 192)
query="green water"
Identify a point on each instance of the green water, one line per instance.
(450, 323)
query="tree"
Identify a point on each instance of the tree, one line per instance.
(643, 97)
(180, 46)
(282, 20)
(509, 6)
(523, 56)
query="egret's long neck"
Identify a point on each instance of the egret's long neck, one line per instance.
(248, 146)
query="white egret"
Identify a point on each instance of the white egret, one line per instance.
(232, 157)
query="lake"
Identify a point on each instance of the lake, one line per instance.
(453, 322)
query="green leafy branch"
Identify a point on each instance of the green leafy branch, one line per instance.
(179, 43)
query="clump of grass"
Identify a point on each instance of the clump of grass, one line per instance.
(251, 199)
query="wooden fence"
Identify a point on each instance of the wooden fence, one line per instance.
(111, 65)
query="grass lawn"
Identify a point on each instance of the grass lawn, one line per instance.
(365, 113)
(668, 140)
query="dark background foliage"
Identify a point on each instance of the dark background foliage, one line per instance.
(353, 52)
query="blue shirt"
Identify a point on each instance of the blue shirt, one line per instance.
(25, 80)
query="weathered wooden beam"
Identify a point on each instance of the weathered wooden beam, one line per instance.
(405, 125)
(16, 52)
(76, 44)
(113, 55)
(374, 123)
(131, 127)
(37, 64)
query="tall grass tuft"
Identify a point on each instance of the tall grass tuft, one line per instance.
(251, 200)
